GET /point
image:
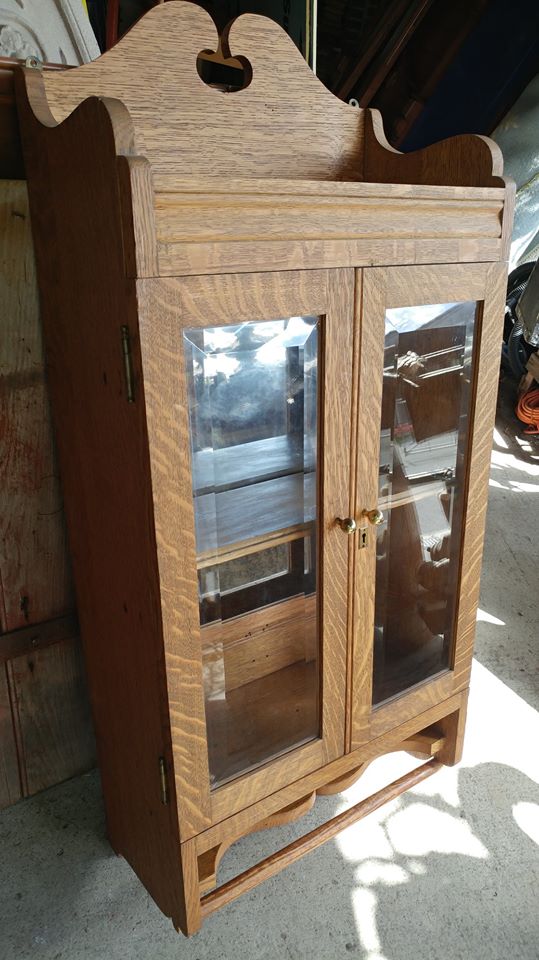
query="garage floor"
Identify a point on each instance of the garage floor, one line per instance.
(448, 871)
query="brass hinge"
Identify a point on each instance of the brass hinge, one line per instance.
(128, 365)
(163, 780)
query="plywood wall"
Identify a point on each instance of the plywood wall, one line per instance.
(45, 727)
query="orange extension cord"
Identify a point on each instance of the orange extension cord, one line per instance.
(527, 410)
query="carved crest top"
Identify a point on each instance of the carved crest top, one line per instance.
(283, 124)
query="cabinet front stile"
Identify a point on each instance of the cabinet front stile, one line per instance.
(429, 355)
(260, 434)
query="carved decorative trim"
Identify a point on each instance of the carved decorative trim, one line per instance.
(426, 743)
(18, 41)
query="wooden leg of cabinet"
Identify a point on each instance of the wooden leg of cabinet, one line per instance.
(452, 728)
(190, 923)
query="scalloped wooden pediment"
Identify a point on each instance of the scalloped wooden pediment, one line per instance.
(285, 123)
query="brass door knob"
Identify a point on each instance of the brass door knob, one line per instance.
(349, 525)
(376, 517)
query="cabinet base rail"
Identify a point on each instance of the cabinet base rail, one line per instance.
(271, 865)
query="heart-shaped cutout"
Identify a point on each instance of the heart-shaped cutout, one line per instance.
(227, 74)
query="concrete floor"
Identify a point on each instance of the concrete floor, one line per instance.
(449, 871)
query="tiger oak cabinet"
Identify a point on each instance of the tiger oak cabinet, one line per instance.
(273, 348)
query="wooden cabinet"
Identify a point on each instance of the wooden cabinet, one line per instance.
(273, 347)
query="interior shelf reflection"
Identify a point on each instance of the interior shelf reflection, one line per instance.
(253, 409)
(428, 367)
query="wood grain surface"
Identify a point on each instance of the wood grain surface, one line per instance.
(271, 215)
(277, 861)
(166, 309)
(254, 515)
(369, 322)
(453, 728)
(35, 568)
(302, 188)
(37, 597)
(479, 450)
(102, 443)
(283, 714)
(468, 160)
(389, 742)
(205, 225)
(262, 642)
(209, 861)
(39, 635)
(10, 783)
(53, 715)
(233, 258)
(177, 243)
(155, 63)
(406, 286)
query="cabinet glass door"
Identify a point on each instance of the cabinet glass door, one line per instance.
(266, 409)
(428, 359)
(253, 410)
(425, 419)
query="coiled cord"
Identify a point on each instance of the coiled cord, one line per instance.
(527, 410)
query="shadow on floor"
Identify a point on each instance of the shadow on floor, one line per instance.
(423, 879)
(463, 898)
(506, 640)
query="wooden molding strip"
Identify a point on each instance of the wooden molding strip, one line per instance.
(166, 185)
(16, 643)
(427, 743)
(293, 851)
(198, 259)
(243, 217)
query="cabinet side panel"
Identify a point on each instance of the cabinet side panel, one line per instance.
(104, 466)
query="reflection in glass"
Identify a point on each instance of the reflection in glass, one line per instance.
(253, 412)
(424, 431)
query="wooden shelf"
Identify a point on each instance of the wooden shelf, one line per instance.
(246, 463)
(251, 518)
(282, 710)
(249, 647)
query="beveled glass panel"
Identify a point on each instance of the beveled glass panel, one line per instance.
(253, 411)
(426, 406)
